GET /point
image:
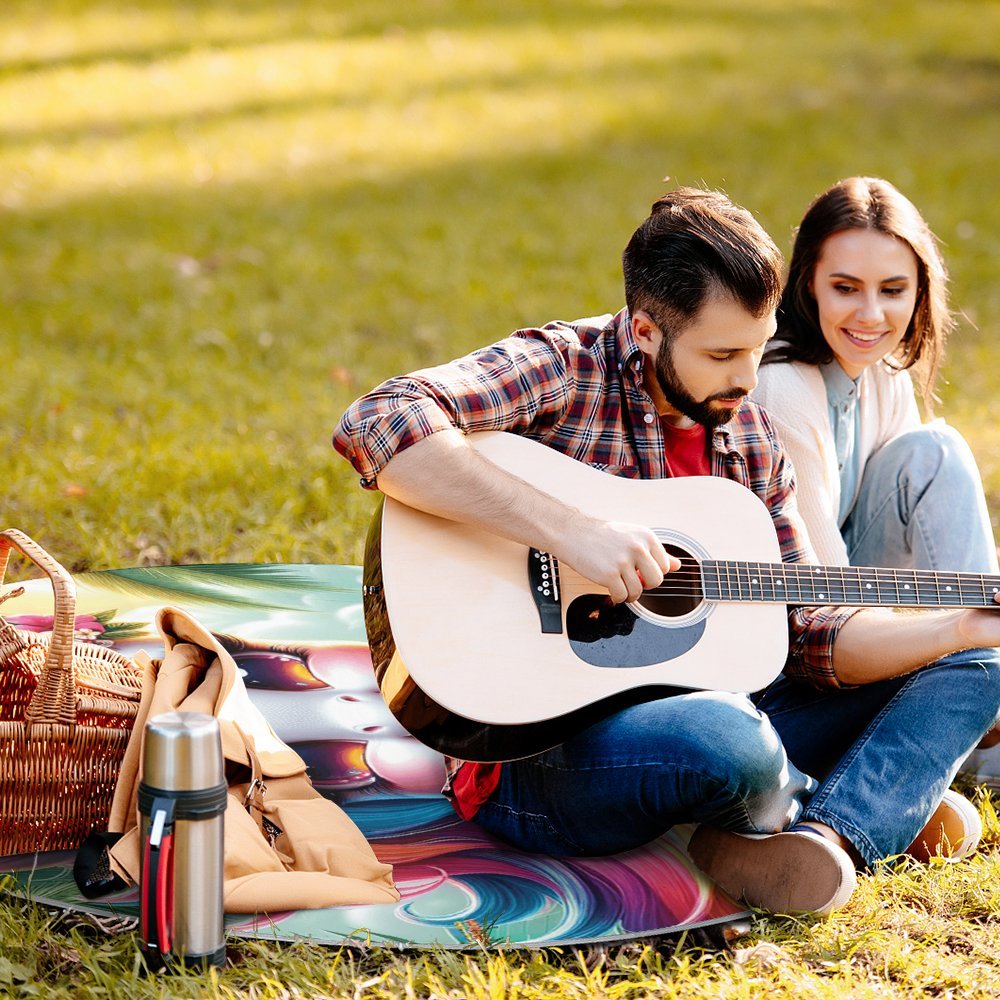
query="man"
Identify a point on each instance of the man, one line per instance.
(853, 748)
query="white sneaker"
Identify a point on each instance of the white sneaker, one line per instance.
(789, 872)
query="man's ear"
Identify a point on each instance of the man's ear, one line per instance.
(646, 333)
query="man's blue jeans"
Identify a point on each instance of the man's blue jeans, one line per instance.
(920, 505)
(872, 762)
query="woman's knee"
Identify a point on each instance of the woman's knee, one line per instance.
(927, 452)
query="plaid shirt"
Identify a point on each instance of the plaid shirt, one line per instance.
(577, 387)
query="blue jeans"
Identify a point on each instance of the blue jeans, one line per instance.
(708, 757)
(884, 753)
(921, 506)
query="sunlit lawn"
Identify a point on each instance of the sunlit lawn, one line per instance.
(222, 221)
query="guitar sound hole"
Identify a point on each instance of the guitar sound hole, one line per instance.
(680, 593)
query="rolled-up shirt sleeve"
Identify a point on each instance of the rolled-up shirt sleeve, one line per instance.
(515, 384)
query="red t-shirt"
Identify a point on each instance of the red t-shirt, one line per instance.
(686, 450)
(686, 455)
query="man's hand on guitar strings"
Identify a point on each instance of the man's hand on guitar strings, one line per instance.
(622, 557)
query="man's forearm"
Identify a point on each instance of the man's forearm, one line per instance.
(444, 475)
(878, 643)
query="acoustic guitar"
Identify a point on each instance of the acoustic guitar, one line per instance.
(485, 649)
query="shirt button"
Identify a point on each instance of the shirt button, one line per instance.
(648, 418)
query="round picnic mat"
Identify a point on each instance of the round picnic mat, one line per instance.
(297, 633)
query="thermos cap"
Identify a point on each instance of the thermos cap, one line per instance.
(182, 752)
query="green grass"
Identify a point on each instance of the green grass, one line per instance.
(221, 221)
(910, 932)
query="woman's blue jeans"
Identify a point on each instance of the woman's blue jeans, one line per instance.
(921, 506)
(872, 762)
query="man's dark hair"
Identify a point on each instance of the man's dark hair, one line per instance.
(694, 244)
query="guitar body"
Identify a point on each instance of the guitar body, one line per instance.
(456, 630)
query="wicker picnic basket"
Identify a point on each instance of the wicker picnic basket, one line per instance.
(66, 711)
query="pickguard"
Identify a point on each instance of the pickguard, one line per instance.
(612, 635)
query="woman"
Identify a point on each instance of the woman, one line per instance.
(865, 304)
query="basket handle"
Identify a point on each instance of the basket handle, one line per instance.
(54, 700)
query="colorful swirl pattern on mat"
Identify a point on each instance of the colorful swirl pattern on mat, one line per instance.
(297, 632)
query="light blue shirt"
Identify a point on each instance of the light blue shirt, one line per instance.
(842, 402)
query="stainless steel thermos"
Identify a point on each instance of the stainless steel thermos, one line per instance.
(182, 801)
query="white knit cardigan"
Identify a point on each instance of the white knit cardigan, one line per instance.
(794, 395)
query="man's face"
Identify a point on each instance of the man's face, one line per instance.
(703, 374)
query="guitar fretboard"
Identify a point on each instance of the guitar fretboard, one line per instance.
(800, 583)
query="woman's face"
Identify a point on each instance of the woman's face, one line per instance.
(865, 285)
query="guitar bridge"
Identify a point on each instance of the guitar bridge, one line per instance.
(543, 578)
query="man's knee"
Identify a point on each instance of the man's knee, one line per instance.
(967, 683)
(742, 739)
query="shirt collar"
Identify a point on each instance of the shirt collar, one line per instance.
(722, 440)
(630, 357)
(632, 360)
(840, 387)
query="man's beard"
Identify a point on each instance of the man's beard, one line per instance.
(680, 399)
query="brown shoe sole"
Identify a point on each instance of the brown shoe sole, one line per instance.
(783, 872)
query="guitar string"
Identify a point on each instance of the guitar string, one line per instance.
(688, 581)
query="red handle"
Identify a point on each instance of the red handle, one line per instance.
(165, 894)
(156, 897)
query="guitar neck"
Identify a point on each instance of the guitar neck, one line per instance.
(801, 583)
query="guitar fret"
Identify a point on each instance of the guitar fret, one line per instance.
(709, 587)
(806, 584)
(771, 588)
(867, 586)
(909, 592)
(830, 593)
(949, 589)
(767, 583)
(740, 578)
(991, 587)
(789, 579)
(799, 597)
(781, 584)
(851, 584)
(716, 581)
(968, 588)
